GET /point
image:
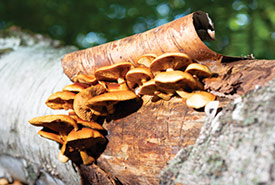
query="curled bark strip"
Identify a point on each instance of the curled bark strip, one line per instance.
(177, 36)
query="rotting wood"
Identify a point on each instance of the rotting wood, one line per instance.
(141, 143)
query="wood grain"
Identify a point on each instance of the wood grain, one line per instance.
(141, 142)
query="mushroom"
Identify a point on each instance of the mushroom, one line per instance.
(114, 73)
(201, 71)
(80, 108)
(85, 141)
(175, 80)
(137, 77)
(146, 60)
(150, 88)
(105, 102)
(170, 62)
(199, 99)
(85, 79)
(75, 87)
(61, 100)
(61, 124)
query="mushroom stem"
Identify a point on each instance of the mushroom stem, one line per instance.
(86, 158)
(170, 69)
(121, 80)
(163, 96)
(62, 157)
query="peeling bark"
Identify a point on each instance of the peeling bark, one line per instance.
(142, 138)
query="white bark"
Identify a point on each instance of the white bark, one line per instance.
(29, 74)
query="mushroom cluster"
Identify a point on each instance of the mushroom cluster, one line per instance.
(81, 138)
(175, 74)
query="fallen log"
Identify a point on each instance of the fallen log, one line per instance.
(31, 71)
(141, 140)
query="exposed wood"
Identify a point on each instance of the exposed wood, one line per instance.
(141, 143)
(143, 136)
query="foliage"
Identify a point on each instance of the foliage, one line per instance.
(242, 26)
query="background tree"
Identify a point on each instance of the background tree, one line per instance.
(242, 26)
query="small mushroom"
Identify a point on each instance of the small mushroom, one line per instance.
(55, 122)
(105, 102)
(85, 79)
(150, 88)
(84, 140)
(199, 99)
(114, 73)
(61, 100)
(137, 76)
(201, 71)
(169, 62)
(62, 124)
(75, 87)
(146, 60)
(176, 80)
(80, 108)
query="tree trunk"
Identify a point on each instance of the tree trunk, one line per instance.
(142, 138)
(30, 71)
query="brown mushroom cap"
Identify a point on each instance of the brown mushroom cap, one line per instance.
(199, 99)
(58, 123)
(85, 79)
(148, 88)
(50, 134)
(75, 87)
(146, 59)
(175, 80)
(107, 100)
(137, 76)
(61, 100)
(170, 61)
(113, 72)
(83, 139)
(80, 108)
(199, 70)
